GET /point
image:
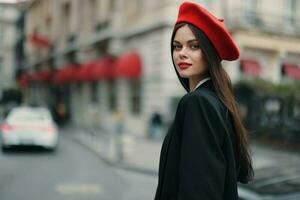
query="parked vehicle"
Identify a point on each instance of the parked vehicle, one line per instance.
(29, 126)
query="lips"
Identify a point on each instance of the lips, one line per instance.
(183, 65)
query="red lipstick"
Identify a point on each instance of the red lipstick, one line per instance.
(184, 65)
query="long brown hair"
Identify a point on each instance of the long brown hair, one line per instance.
(224, 90)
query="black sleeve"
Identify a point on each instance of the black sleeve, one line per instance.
(202, 164)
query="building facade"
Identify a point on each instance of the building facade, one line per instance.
(10, 55)
(8, 36)
(68, 38)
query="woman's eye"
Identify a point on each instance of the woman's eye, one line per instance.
(176, 46)
(195, 46)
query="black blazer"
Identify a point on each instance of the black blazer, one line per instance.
(198, 160)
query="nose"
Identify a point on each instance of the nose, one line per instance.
(182, 53)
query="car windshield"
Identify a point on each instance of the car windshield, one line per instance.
(29, 116)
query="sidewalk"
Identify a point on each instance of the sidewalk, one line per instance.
(129, 151)
(142, 154)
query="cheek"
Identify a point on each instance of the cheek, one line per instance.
(174, 56)
(199, 67)
(199, 61)
(198, 56)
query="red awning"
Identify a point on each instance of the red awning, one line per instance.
(103, 69)
(33, 77)
(96, 70)
(41, 76)
(128, 65)
(57, 76)
(291, 70)
(23, 80)
(65, 74)
(85, 72)
(39, 41)
(250, 67)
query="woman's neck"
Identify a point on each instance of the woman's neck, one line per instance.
(193, 81)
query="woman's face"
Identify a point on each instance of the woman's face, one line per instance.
(187, 55)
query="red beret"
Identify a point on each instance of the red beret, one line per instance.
(212, 27)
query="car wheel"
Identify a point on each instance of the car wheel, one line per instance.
(4, 149)
(51, 149)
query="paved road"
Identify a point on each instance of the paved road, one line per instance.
(71, 173)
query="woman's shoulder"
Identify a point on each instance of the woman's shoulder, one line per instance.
(203, 96)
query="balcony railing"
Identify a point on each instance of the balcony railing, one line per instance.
(274, 23)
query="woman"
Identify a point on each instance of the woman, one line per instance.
(205, 152)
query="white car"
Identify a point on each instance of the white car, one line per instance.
(29, 126)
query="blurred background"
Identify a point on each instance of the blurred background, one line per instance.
(103, 69)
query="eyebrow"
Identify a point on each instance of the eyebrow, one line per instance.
(189, 41)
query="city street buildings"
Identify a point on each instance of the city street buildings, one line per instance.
(8, 36)
(108, 61)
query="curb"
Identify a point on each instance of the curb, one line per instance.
(111, 162)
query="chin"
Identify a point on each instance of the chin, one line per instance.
(184, 75)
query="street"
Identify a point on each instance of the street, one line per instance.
(72, 172)
(80, 169)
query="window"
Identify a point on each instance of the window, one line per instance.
(66, 16)
(135, 96)
(94, 92)
(290, 10)
(251, 11)
(112, 97)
